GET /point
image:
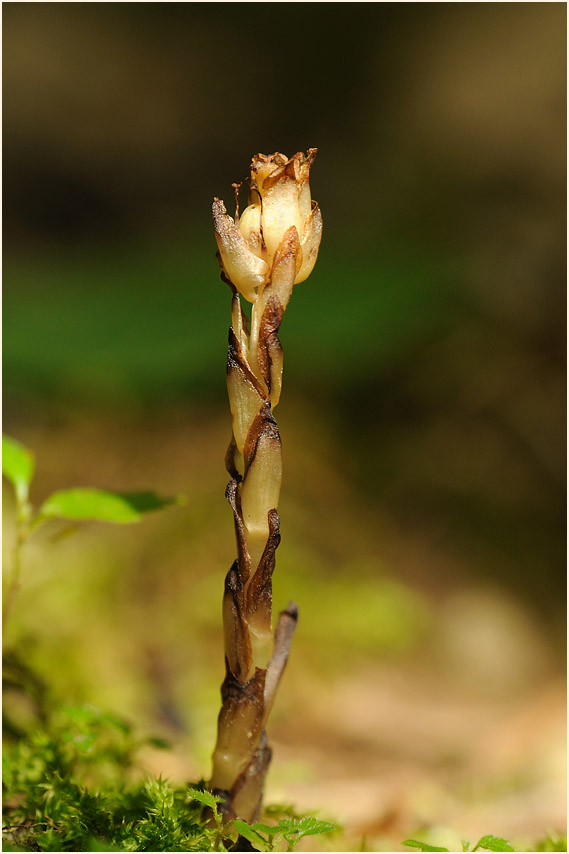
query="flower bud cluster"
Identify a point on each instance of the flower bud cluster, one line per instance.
(279, 200)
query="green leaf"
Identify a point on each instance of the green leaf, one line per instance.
(96, 844)
(552, 842)
(422, 846)
(251, 835)
(158, 743)
(493, 843)
(307, 826)
(269, 829)
(101, 505)
(206, 798)
(18, 465)
(146, 502)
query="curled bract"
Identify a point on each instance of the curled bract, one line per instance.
(279, 199)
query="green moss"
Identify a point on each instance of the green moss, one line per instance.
(72, 785)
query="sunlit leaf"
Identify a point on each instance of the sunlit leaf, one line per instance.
(18, 464)
(145, 502)
(493, 843)
(307, 826)
(269, 829)
(422, 846)
(251, 835)
(101, 505)
(205, 798)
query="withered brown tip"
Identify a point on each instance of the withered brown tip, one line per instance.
(292, 611)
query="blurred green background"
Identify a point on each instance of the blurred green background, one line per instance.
(423, 414)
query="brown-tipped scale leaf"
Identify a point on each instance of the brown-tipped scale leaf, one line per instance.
(246, 791)
(245, 401)
(239, 727)
(236, 636)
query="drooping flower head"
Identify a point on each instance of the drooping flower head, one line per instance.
(279, 199)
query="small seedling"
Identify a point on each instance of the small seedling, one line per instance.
(486, 843)
(72, 505)
(264, 837)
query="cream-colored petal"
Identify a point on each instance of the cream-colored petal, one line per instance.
(280, 212)
(304, 200)
(250, 228)
(310, 243)
(242, 267)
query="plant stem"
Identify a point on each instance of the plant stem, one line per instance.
(22, 531)
(254, 660)
(273, 246)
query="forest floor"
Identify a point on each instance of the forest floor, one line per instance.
(403, 711)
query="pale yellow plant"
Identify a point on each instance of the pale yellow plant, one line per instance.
(263, 253)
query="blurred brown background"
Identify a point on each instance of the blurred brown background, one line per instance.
(423, 416)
